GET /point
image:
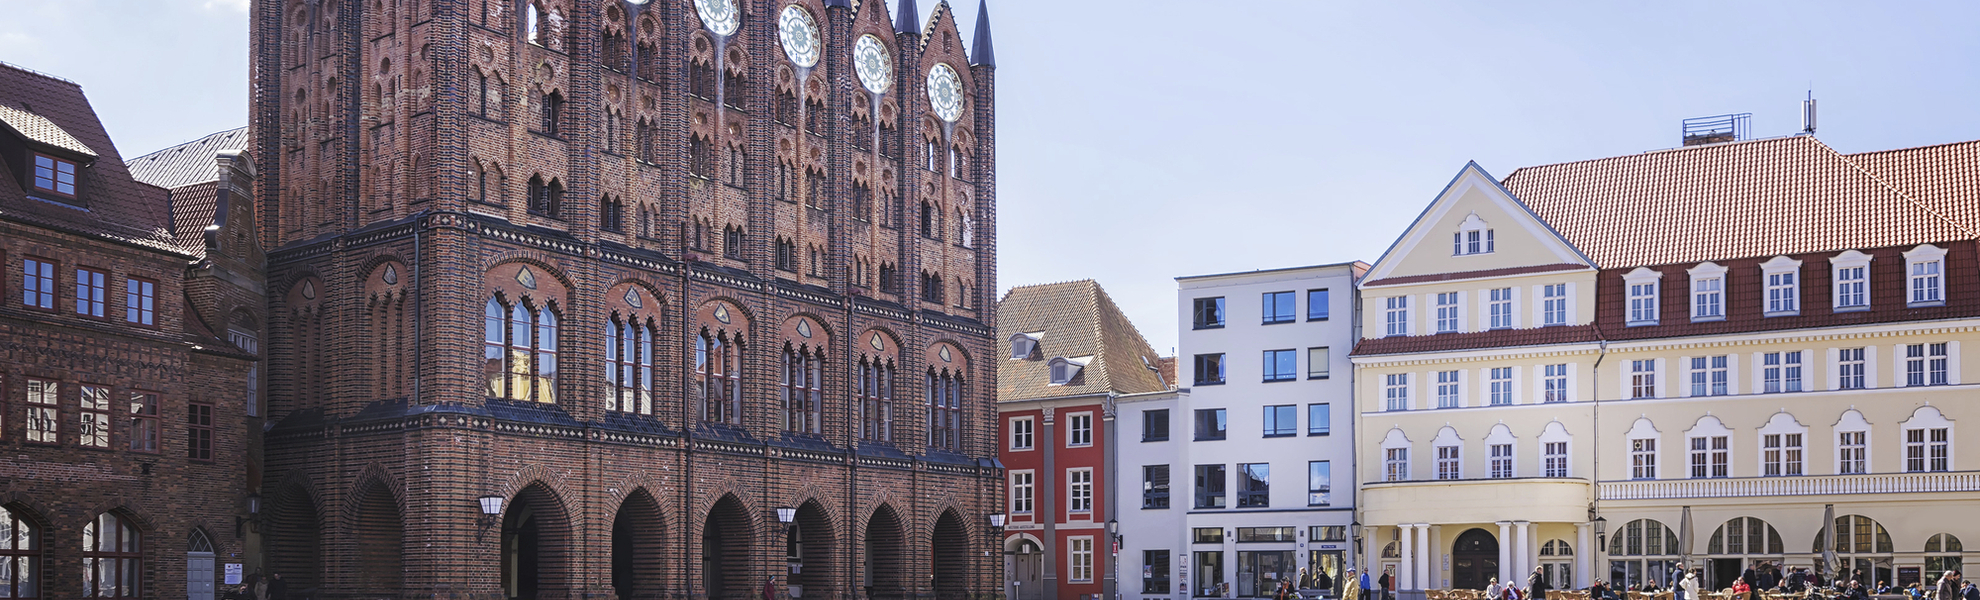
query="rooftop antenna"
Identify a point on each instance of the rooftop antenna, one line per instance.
(1808, 113)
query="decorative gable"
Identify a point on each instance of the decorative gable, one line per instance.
(1475, 226)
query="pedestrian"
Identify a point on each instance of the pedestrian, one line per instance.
(1687, 587)
(1797, 582)
(278, 588)
(1536, 584)
(1677, 584)
(1388, 582)
(770, 588)
(1366, 586)
(1970, 591)
(1494, 591)
(1321, 581)
(1352, 590)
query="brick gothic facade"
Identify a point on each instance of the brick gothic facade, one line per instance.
(644, 281)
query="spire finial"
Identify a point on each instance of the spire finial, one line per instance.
(909, 21)
(982, 52)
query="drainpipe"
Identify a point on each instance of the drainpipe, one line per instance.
(1595, 476)
(1110, 470)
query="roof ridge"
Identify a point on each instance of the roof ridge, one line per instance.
(38, 73)
(928, 29)
(1909, 149)
(1701, 147)
(1896, 190)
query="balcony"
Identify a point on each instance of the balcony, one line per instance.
(1805, 485)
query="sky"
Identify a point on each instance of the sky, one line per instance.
(1143, 140)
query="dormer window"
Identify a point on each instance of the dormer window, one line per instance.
(1708, 292)
(1852, 277)
(1783, 276)
(1643, 299)
(1023, 345)
(54, 175)
(1064, 370)
(1472, 237)
(1925, 282)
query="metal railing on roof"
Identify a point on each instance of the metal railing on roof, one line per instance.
(1717, 129)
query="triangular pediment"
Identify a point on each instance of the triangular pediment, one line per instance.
(1475, 226)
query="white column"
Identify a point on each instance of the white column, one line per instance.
(1425, 554)
(1525, 550)
(1405, 570)
(1584, 549)
(1505, 553)
(1437, 558)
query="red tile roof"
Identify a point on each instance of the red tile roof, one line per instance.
(1076, 319)
(113, 205)
(1945, 177)
(1496, 338)
(1792, 195)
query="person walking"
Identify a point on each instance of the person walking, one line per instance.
(278, 588)
(1688, 587)
(1536, 584)
(1677, 584)
(1321, 581)
(1388, 583)
(1948, 586)
(1351, 589)
(1969, 591)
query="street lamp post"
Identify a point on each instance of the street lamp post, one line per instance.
(1114, 559)
(491, 511)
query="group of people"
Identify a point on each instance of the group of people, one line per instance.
(1685, 584)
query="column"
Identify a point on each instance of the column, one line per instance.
(1525, 550)
(1505, 553)
(1437, 555)
(1426, 555)
(1583, 550)
(1406, 571)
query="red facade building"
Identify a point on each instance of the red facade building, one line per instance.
(1067, 353)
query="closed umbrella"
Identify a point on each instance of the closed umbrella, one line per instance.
(1829, 565)
(1684, 538)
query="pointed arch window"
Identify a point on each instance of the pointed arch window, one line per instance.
(20, 556)
(718, 375)
(546, 199)
(803, 388)
(875, 388)
(520, 351)
(787, 107)
(944, 389)
(701, 158)
(629, 350)
(112, 562)
(701, 77)
(612, 213)
(735, 177)
(814, 195)
(735, 88)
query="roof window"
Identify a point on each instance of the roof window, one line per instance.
(1064, 370)
(1023, 345)
(54, 175)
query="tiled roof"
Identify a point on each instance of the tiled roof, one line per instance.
(188, 163)
(1496, 338)
(192, 211)
(1077, 320)
(113, 205)
(1945, 177)
(40, 129)
(1791, 195)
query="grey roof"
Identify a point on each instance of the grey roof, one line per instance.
(909, 19)
(188, 163)
(981, 52)
(38, 128)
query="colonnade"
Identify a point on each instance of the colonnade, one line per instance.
(1424, 556)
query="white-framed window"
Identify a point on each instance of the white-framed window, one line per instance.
(1079, 490)
(1780, 372)
(1783, 286)
(1710, 375)
(1395, 391)
(1553, 304)
(1501, 383)
(1925, 364)
(1711, 456)
(1079, 429)
(1927, 450)
(1447, 389)
(1780, 454)
(1022, 484)
(1500, 306)
(1502, 461)
(1395, 464)
(1472, 237)
(1555, 460)
(1554, 381)
(1396, 310)
(1021, 433)
(1849, 369)
(1925, 283)
(1447, 312)
(1643, 458)
(1642, 287)
(1851, 272)
(1024, 344)
(1450, 465)
(1708, 292)
(1852, 452)
(1079, 559)
(1643, 378)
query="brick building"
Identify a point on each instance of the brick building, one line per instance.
(1069, 357)
(635, 276)
(127, 398)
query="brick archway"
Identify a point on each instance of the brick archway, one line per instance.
(378, 529)
(639, 538)
(726, 540)
(291, 533)
(950, 563)
(536, 545)
(810, 540)
(886, 542)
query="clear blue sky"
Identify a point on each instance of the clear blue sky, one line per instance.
(1144, 140)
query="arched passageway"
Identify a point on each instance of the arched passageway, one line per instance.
(725, 550)
(886, 540)
(808, 545)
(639, 567)
(1474, 560)
(950, 564)
(379, 532)
(290, 532)
(536, 541)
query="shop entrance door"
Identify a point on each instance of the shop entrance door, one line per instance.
(1474, 560)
